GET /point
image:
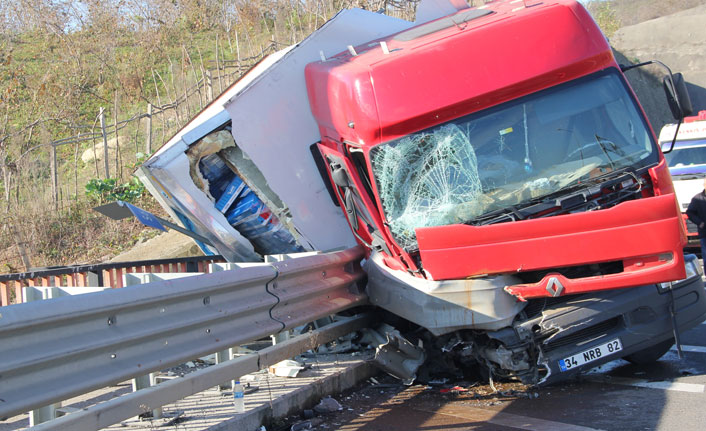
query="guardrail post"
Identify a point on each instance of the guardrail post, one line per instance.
(43, 414)
(46, 413)
(31, 293)
(95, 278)
(222, 356)
(143, 382)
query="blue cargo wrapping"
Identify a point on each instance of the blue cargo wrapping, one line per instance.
(231, 193)
(244, 210)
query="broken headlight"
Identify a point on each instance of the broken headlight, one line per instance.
(693, 268)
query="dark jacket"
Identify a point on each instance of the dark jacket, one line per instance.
(697, 212)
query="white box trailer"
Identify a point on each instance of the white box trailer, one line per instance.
(241, 173)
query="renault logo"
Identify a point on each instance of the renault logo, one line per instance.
(554, 287)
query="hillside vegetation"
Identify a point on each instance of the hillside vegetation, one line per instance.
(62, 62)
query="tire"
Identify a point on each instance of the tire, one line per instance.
(650, 354)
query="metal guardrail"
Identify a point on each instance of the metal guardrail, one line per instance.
(55, 349)
(103, 274)
(142, 401)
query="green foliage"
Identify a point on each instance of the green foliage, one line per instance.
(108, 190)
(605, 15)
(140, 158)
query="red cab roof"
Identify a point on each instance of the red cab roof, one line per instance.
(500, 51)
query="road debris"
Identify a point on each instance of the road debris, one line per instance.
(397, 356)
(453, 389)
(306, 425)
(328, 405)
(286, 368)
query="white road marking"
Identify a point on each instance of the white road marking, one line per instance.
(508, 419)
(527, 423)
(643, 383)
(693, 349)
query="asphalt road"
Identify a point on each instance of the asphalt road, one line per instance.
(666, 395)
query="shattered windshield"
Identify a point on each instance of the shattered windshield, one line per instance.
(509, 155)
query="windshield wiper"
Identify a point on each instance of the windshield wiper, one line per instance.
(576, 195)
(583, 183)
(601, 143)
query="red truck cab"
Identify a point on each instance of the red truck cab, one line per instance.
(495, 156)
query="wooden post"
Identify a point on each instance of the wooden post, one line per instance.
(76, 167)
(206, 79)
(20, 246)
(175, 102)
(209, 85)
(6, 179)
(185, 88)
(237, 51)
(218, 68)
(196, 78)
(148, 132)
(118, 156)
(54, 178)
(105, 144)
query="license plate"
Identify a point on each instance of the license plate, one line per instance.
(590, 355)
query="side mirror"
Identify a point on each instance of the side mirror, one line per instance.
(677, 96)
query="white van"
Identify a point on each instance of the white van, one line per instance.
(687, 163)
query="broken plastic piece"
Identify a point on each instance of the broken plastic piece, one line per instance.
(327, 405)
(306, 425)
(399, 358)
(453, 389)
(286, 368)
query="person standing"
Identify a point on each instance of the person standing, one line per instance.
(697, 214)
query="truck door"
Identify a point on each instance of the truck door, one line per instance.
(357, 205)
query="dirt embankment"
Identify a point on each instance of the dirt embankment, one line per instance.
(678, 40)
(167, 245)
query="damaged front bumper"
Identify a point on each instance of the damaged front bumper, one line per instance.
(443, 306)
(540, 341)
(638, 317)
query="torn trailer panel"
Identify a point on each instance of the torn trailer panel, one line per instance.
(241, 173)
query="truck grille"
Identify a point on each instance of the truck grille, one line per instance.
(586, 334)
(575, 272)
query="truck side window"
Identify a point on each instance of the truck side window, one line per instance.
(359, 162)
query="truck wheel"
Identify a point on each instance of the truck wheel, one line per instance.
(650, 354)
